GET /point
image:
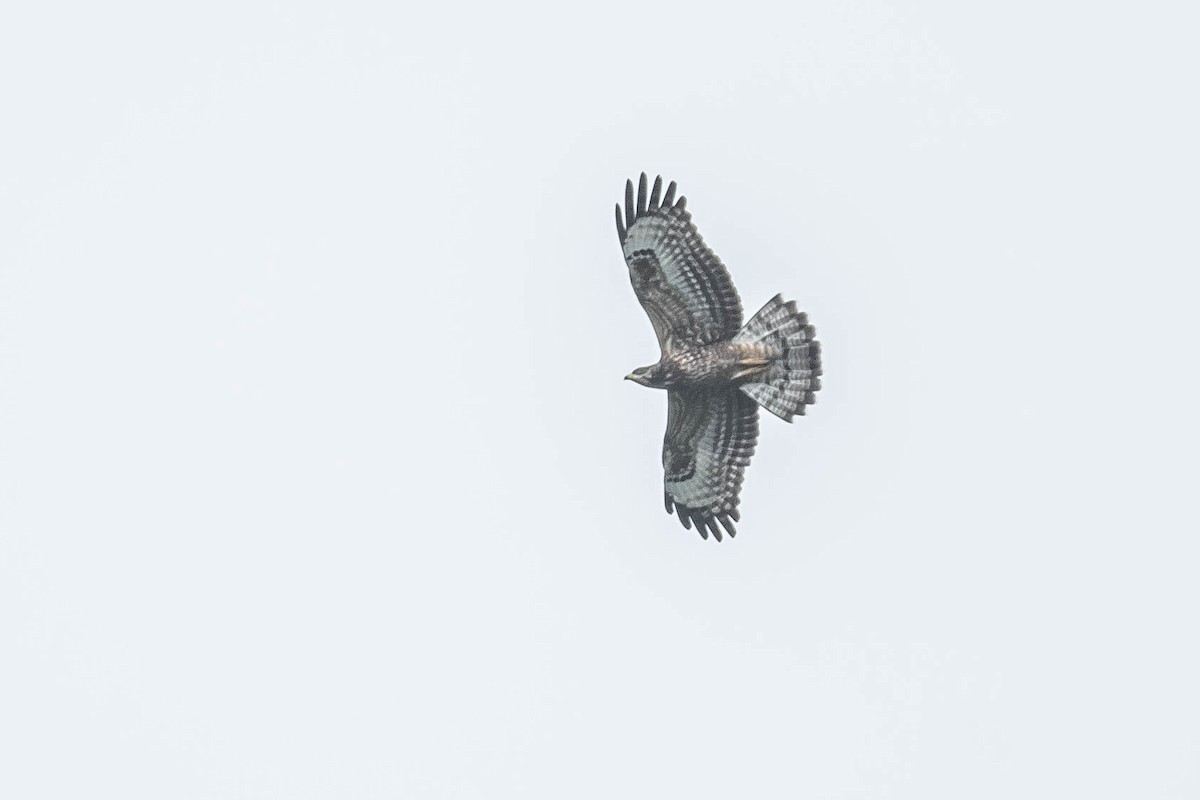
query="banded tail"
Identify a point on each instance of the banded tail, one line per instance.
(793, 373)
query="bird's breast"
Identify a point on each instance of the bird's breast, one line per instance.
(707, 364)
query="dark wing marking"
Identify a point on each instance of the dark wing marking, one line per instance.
(711, 435)
(684, 287)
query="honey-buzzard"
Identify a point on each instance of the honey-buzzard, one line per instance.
(716, 372)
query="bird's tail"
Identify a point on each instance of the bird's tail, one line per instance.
(793, 371)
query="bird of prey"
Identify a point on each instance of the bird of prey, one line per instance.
(716, 371)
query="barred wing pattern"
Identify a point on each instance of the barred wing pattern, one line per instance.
(684, 287)
(710, 438)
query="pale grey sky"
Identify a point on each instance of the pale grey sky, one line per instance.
(318, 477)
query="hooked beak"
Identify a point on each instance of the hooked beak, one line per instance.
(633, 376)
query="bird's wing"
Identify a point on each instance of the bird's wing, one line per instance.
(710, 437)
(683, 286)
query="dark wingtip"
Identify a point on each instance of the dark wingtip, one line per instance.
(681, 204)
(669, 197)
(641, 204)
(705, 523)
(654, 193)
(727, 524)
(629, 207)
(620, 225)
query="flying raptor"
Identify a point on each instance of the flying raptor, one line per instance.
(716, 371)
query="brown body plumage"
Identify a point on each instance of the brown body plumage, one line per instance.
(721, 364)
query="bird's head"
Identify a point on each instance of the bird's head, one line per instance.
(655, 376)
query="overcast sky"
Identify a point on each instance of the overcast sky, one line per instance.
(318, 477)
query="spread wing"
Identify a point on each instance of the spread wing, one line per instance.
(683, 286)
(710, 437)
